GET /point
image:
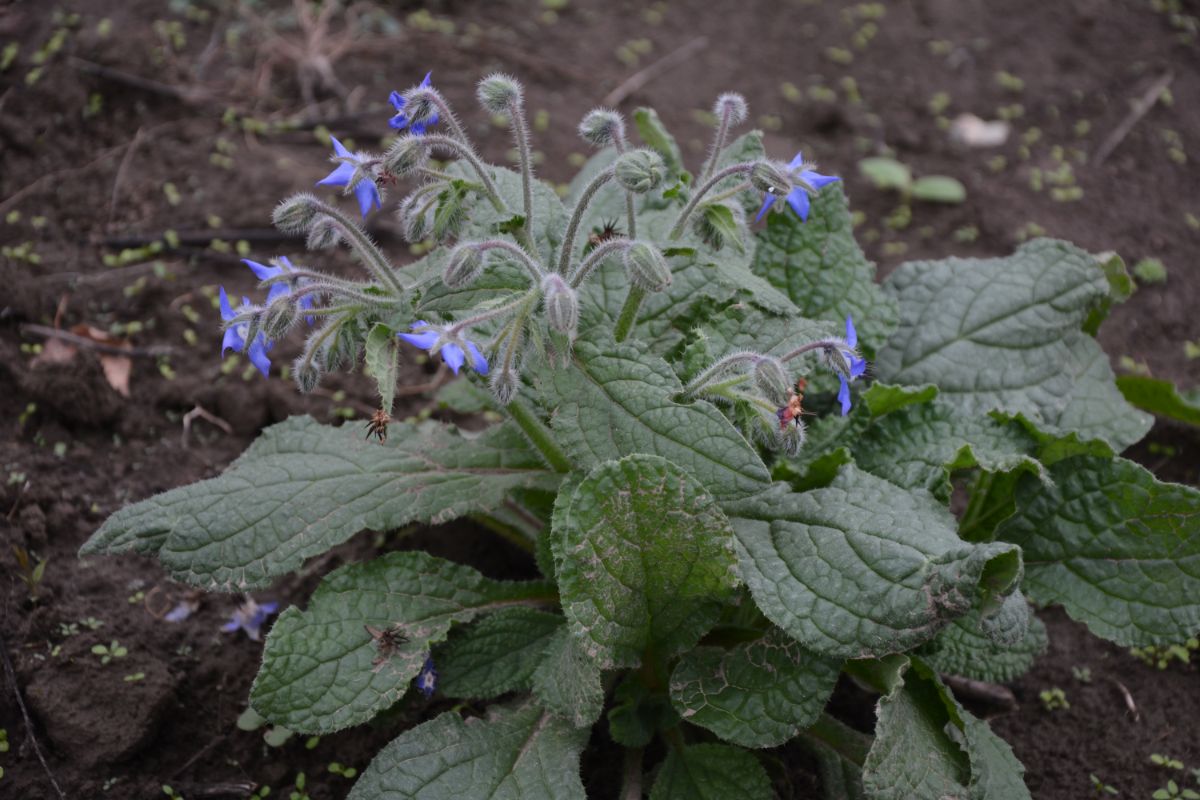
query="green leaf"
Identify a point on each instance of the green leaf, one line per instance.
(382, 363)
(567, 681)
(719, 219)
(498, 284)
(647, 561)
(485, 222)
(1159, 397)
(886, 173)
(821, 268)
(497, 654)
(927, 745)
(637, 714)
(517, 752)
(939, 189)
(883, 398)
(1004, 333)
(758, 694)
(656, 136)
(464, 396)
(1117, 548)
(1120, 288)
(616, 400)
(323, 670)
(302, 488)
(963, 648)
(839, 751)
(711, 772)
(911, 574)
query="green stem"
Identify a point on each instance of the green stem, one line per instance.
(540, 435)
(465, 152)
(727, 172)
(374, 259)
(517, 114)
(629, 312)
(728, 193)
(568, 244)
(839, 737)
(506, 532)
(631, 781)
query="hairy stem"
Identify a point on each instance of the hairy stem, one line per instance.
(718, 143)
(516, 113)
(465, 152)
(629, 312)
(492, 313)
(735, 169)
(820, 344)
(539, 435)
(521, 255)
(594, 259)
(719, 366)
(372, 257)
(568, 244)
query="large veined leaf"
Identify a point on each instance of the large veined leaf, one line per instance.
(1005, 334)
(647, 563)
(519, 752)
(862, 567)
(711, 772)
(928, 746)
(484, 222)
(323, 670)
(963, 648)
(567, 681)
(1116, 547)
(616, 400)
(821, 268)
(496, 654)
(758, 694)
(303, 487)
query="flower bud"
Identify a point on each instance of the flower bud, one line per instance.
(323, 233)
(504, 385)
(562, 304)
(464, 266)
(838, 360)
(772, 380)
(406, 155)
(734, 105)
(308, 374)
(279, 318)
(602, 127)
(769, 178)
(449, 214)
(497, 92)
(791, 438)
(640, 171)
(646, 267)
(296, 214)
(415, 216)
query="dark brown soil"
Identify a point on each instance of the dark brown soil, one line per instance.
(87, 149)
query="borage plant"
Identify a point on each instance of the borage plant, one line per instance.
(728, 507)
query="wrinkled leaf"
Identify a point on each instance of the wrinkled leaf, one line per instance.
(497, 654)
(567, 682)
(711, 772)
(963, 648)
(382, 363)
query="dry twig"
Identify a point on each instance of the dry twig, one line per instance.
(91, 344)
(37, 748)
(199, 412)
(1140, 108)
(665, 64)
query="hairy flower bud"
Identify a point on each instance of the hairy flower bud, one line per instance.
(497, 92)
(769, 178)
(307, 373)
(771, 379)
(791, 437)
(297, 213)
(837, 359)
(279, 317)
(562, 304)
(734, 105)
(640, 170)
(602, 127)
(504, 384)
(464, 266)
(325, 232)
(415, 215)
(646, 267)
(406, 155)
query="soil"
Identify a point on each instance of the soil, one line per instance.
(132, 128)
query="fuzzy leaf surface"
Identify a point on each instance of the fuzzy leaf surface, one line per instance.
(567, 682)
(382, 362)
(711, 772)
(820, 267)
(303, 487)
(323, 671)
(1117, 548)
(862, 567)
(514, 753)
(963, 648)
(496, 654)
(1005, 334)
(647, 561)
(758, 694)
(616, 400)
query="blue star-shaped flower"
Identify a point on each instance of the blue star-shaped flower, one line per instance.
(797, 198)
(427, 338)
(365, 190)
(858, 366)
(250, 616)
(426, 679)
(282, 288)
(400, 121)
(235, 337)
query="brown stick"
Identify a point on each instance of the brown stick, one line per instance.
(192, 95)
(988, 693)
(201, 413)
(1140, 108)
(640, 78)
(125, 159)
(91, 344)
(37, 749)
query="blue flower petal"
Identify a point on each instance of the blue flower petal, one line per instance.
(454, 357)
(851, 334)
(397, 100)
(338, 148)
(798, 200)
(339, 177)
(368, 195)
(398, 122)
(425, 82)
(278, 290)
(262, 270)
(232, 341)
(478, 362)
(426, 679)
(798, 161)
(858, 367)
(226, 309)
(818, 181)
(843, 394)
(423, 340)
(768, 201)
(258, 356)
